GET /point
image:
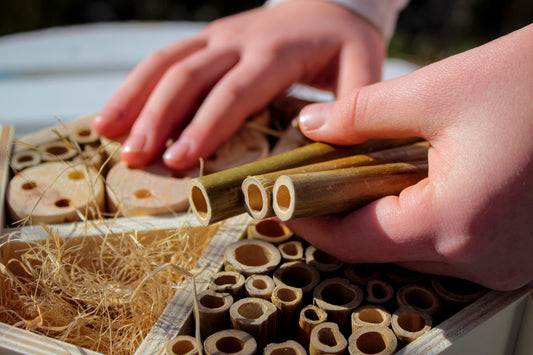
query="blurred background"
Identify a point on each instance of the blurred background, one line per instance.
(426, 31)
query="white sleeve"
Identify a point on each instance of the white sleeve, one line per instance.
(382, 13)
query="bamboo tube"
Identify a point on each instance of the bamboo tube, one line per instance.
(291, 251)
(297, 274)
(213, 310)
(456, 292)
(218, 196)
(231, 282)
(289, 347)
(269, 230)
(230, 341)
(56, 150)
(409, 324)
(182, 345)
(24, 159)
(326, 338)
(333, 191)
(288, 301)
(361, 274)
(379, 292)
(338, 297)
(370, 314)
(310, 317)
(251, 256)
(258, 189)
(419, 297)
(321, 260)
(260, 286)
(372, 339)
(255, 316)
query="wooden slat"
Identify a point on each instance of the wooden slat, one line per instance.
(6, 137)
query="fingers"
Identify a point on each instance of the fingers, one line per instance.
(173, 100)
(392, 229)
(117, 117)
(397, 108)
(246, 89)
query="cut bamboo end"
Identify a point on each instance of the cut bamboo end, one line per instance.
(326, 338)
(379, 292)
(321, 260)
(182, 345)
(341, 190)
(456, 292)
(291, 251)
(55, 192)
(370, 314)
(56, 150)
(251, 256)
(255, 316)
(338, 297)
(213, 310)
(257, 198)
(288, 301)
(409, 324)
(297, 274)
(420, 297)
(230, 341)
(310, 317)
(231, 282)
(270, 231)
(289, 347)
(25, 159)
(372, 340)
(260, 286)
(361, 274)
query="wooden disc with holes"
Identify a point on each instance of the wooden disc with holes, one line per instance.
(153, 190)
(56, 150)
(55, 192)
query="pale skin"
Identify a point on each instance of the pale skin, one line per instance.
(471, 218)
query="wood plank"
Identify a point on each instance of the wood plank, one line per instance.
(6, 137)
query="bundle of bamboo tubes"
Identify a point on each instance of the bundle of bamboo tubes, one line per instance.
(310, 302)
(314, 179)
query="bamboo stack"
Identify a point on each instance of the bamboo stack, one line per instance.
(314, 179)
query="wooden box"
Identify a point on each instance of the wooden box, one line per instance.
(497, 323)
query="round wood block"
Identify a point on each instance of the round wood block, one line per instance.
(55, 192)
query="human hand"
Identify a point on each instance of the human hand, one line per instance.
(471, 218)
(231, 70)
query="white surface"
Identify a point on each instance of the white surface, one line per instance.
(67, 72)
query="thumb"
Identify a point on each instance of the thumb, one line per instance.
(397, 108)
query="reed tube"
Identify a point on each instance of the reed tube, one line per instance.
(182, 345)
(230, 341)
(419, 297)
(231, 282)
(322, 261)
(326, 338)
(297, 274)
(269, 230)
(456, 292)
(56, 150)
(260, 286)
(291, 251)
(25, 159)
(362, 273)
(409, 323)
(288, 301)
(255, 316)
(341, 190)
(372, 339)
(310, 317)
(289, 347)
(251, 256)
(218, 196)
(338, 297)
(258, 189)
(370, 314)
(213, 310)
(379, 292)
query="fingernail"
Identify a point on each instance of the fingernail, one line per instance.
(178, 151)
(314, 116)
(134, 143)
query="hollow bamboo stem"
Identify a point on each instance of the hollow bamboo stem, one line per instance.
(372, 339)
(260, 286)
(420, 297)
(370, 314)
(182, 345)
(341, 190)
(231, 282)
(409, 323)
(310, 317)
(251, 256)
(326, 338)
(288, 301)
(213, 310)
(255, 316)
(218, 196)
(230, 341)
(289, 347)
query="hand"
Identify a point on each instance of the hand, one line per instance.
(231, 70)
(471, 218)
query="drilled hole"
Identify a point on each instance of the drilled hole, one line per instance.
(75, 175)
(64, 202)
(143, 193)
(84, 132)
(30, 185)
(24, 158)
(56, 150)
